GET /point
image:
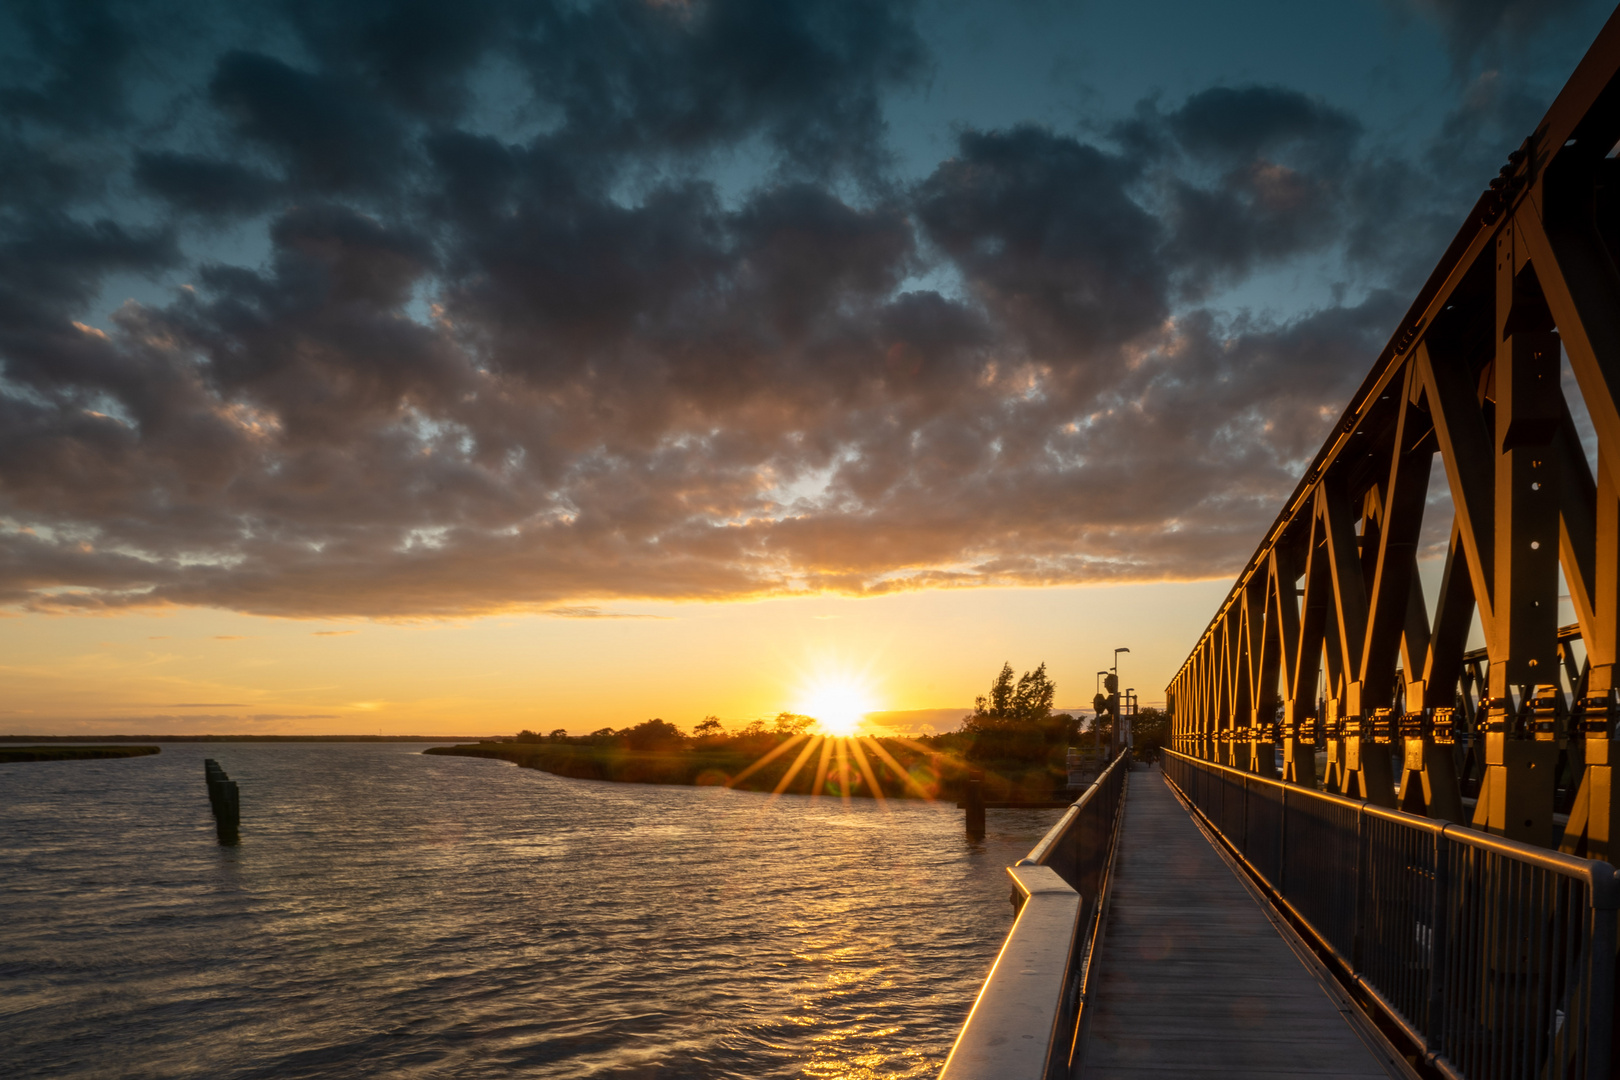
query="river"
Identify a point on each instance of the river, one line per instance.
(391, 914)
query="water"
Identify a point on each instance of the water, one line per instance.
(391, 914)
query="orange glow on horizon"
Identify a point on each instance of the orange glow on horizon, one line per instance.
(910, 662)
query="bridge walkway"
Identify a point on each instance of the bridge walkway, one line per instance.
(1194, 980)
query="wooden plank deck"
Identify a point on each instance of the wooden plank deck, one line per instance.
(1192, 978)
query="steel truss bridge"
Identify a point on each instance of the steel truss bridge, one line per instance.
(1326, 639)
(1427, 832)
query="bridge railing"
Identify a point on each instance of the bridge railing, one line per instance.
(1496, 958)
(1023, 1025)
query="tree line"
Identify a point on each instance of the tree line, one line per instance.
(658, 734)
(1014, 721)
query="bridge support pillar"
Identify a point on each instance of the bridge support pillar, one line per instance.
(1593, 831)
(1239, 751)
(1299, 759)
(1263, 757)
(1429, 782)
(1367, 771)
(1516, 792)
(1334, 779)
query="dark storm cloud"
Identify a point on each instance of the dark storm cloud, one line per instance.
(1046, 231)
(192, 183)
(1241, 124)
(513, 332)
(648, 77)
(1476, 29)
(1246, 175)
(71, 73)
(329, 136)
(414, 54)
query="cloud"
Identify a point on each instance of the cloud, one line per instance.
(262, 718)
(334, 633)
(549, 307)
(183, 723)
(77, 54)
(594, 613)
(192, 183)
(682, 78)
(1487, 28)
(1049, 237)
(328, 137)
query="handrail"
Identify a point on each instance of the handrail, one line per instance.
(1494, 957)
(1041, 853)
(1023, 1023)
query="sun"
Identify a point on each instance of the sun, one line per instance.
(837, 704)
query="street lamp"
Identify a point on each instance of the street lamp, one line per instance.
(1127, 720)
(1119, 722)
(1096, 737)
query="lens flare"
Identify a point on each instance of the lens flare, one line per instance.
(837, 704)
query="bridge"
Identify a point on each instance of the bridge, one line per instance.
(1371, 849)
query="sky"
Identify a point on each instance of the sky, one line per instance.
(455, 368)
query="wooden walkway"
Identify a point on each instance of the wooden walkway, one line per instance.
(1192, 978)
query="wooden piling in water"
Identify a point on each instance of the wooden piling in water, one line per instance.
(974, 801)
(225, 800)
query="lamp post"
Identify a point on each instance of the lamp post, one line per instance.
(1130, 715)
(1113, 704)
(1096, 738)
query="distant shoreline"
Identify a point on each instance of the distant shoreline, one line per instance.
(921, 775)
(17, 754)
(230, 738)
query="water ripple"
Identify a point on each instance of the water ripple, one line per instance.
(392, 914)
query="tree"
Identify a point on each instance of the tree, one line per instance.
(1014, 720)
(1028, 700)
(793, 724)
(527, 736)
(709, 728)
(654, 734)
(559, 735)
(999, 702)
(1150, 732)
(1033, 698)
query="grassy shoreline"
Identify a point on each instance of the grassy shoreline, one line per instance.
(13, 754)
(920, 774)
(228, 738)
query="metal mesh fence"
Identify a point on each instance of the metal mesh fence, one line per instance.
(1496, 957)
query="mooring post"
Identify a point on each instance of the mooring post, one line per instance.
(974, 801)
(225, 800)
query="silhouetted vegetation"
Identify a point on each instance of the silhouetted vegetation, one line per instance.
(760, 755)
(71, 753)
(1150, 733)
(1014, 721)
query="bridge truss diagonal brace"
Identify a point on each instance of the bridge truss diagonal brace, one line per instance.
(1395, 607)
(1465, 450)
